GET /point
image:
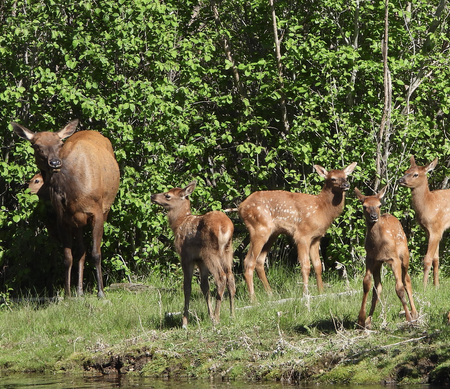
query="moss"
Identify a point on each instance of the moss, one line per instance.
(441, 374)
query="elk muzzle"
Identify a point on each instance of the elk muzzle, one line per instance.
(55, 163)
(372, 217)
(345, 186)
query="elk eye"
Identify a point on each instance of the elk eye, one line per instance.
(333, 179)
(167, 196)
(416, 175)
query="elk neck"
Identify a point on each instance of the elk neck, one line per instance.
(177, 216)
(420, 196)
(375, 233)
(333, 200)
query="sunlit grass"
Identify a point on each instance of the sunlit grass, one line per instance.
(286, 330)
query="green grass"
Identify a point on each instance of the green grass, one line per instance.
(282, 337)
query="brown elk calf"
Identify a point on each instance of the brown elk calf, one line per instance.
(36, 186)
(82, 177)
(204, 241)
(385, 243)
(432, 212)
(48, 214)
(304, 217)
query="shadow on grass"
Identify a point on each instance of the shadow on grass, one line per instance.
(328, 326)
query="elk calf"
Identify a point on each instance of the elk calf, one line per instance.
(385, 243)
(36, 186)
(432, 212)
(81, 178)
(47, 212)
(304, 217)
(204, 241)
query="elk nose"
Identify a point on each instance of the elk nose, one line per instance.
(55, 163)
(401, 180)
(373, 217)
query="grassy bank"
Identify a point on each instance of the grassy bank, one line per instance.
(285, 337)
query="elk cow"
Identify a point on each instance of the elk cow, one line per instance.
(432, 212)
(385, 243)
(204, 241)
(82, 178)
(304, 217)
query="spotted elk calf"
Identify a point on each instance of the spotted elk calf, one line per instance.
(204, 241)
(304, 217)
(432, 212)
(385, 243)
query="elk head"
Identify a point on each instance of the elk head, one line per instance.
(371, 205)
(416, 175)
(46, 144)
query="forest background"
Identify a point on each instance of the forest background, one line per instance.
(239, 95)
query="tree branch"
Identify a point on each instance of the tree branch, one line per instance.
(280, 70)
(384, 133)
(227, 50)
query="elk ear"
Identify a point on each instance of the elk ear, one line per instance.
(381, 193)
(23, 132)
(321, 171)
(68, 130)
(431, 165)
(349, 169)
(412, 161)
(359, 195)
(189, 189)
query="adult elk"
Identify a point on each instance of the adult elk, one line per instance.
(385, 243)
(304, 217)
(82, 179)
(204, 241)
(432, 212)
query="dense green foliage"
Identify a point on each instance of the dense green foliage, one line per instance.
(191, 90)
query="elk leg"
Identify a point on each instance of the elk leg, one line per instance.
(188, 270)
(436, 263)
(431, 258)
(400, 287)
(220, 279)
(204, 286)
(257, 242)
(367, 281)
(97, 235)
(228, 268)
(261, 261)
(408, 288)
(317, 263)
(68, 258)
(376, 292)
(249, 268)
(231, 285)
(303, 260)
(80, 255)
